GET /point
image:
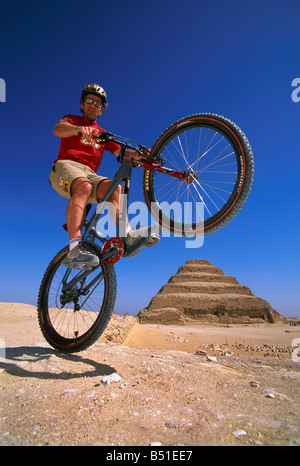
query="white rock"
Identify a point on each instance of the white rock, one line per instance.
(239, 433)
(270, 393)
(108, 379)
(255, 384)
(211, 358)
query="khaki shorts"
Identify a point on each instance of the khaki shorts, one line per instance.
(64, 172)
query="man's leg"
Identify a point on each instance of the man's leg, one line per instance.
(114, 200)
(80, 191)
(133, 235)
(78, 256)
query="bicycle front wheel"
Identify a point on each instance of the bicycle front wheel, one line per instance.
(216, 167)
(74, 306)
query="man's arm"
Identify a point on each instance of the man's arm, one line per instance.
(67, 130)
(128, 153)
(132, 155)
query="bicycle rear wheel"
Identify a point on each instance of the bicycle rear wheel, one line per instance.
(74, 306)
(216, 164)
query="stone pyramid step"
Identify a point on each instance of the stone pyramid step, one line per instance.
(200, 292)
(205, 287)
(194, 303)
(202, 277)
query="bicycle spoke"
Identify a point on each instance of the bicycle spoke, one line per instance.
(74, 318)
(205, 153)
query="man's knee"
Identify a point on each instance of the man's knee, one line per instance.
(118, 191)
(104, 186)
(81, 187)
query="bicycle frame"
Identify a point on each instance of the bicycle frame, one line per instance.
(123, 176)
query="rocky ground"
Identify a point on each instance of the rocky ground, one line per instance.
(148, 384)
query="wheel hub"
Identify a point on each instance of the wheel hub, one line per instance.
(189, 176)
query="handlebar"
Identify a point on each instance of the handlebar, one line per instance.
(125, 143)
(105, 136)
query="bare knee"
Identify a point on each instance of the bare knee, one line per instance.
(81, 187)
(116, 194)
(104, 186)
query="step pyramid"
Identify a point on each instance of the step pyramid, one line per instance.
(202, 293)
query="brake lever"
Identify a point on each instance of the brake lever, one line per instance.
(143, 148)
(101, 138)
(144, 151)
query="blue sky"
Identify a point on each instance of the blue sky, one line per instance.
(158, 61)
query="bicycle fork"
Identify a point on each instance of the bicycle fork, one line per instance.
(71, 291)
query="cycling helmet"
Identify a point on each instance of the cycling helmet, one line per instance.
(94, 89)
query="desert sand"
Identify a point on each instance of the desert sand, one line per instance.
(149, 384)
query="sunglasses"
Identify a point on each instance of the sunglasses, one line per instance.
(97, 103)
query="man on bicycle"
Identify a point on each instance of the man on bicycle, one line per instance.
(74, 176)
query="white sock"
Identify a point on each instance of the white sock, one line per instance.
(128, 228)
(73, 243)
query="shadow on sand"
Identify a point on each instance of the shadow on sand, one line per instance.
(16, 359)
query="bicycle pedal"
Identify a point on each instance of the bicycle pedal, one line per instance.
(83, 268)
(152, 241)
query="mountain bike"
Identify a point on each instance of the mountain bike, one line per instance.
(200, 159)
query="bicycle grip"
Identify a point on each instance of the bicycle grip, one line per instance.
(79, 133)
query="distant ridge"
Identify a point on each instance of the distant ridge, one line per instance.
(202, 293)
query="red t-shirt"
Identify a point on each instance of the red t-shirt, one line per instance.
(80, 150)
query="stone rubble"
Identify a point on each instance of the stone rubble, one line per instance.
(267, 350)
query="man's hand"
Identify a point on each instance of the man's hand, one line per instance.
(86, 132)
(66, 130)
